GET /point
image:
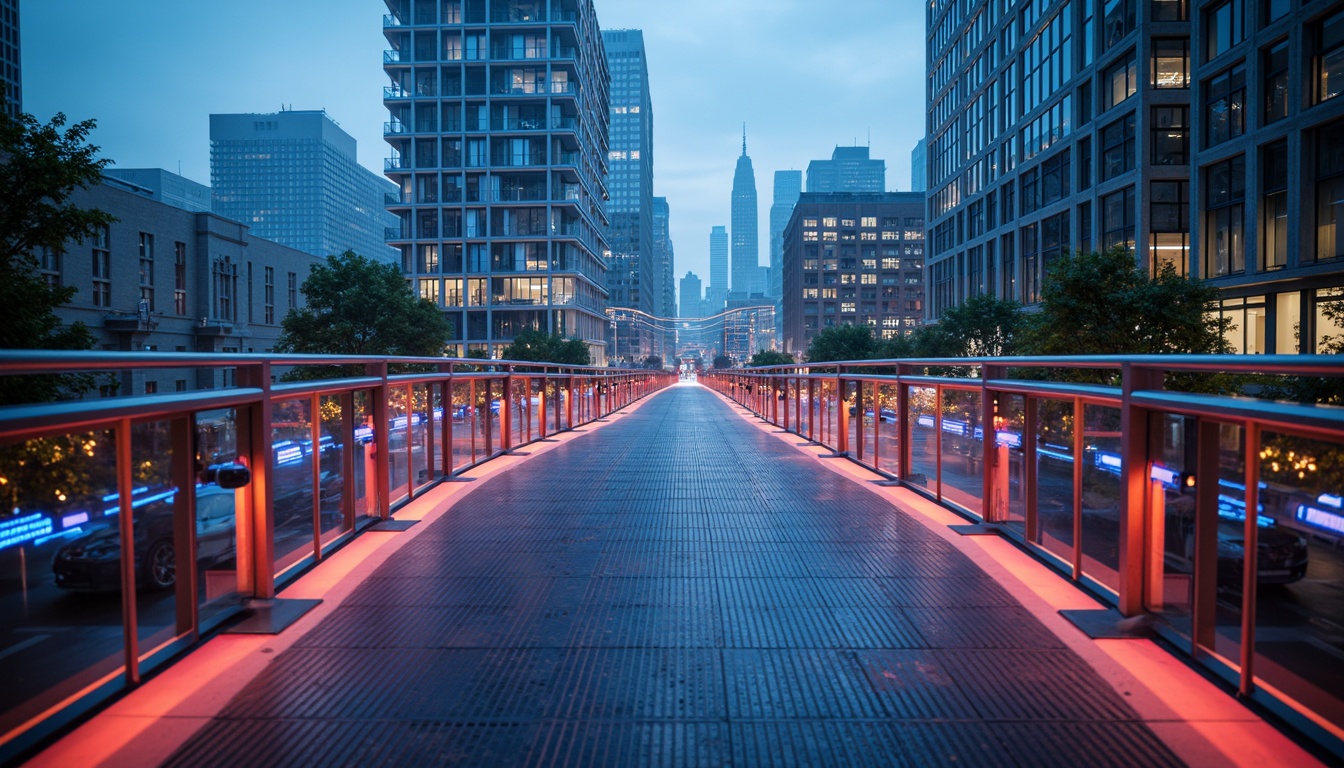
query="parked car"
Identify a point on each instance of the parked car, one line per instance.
(1281, 556)
(93, 561)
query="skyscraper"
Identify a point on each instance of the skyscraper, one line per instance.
(849, 170)
(1204, 136)
(293, 179)
(919, 166)
(10, 60)
(665, 258)
(717, 293)
(788, 186)
(498, 128)
(746, 244)
(630, 184)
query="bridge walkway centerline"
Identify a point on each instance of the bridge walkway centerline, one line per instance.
(680, 587)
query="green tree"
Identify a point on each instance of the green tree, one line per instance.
(723, 361)
(770, 357)
(40, 168)
(981, 326)
(357, 306)
(844, 342)
(536, 346)
(1106, 304)
(653, 363)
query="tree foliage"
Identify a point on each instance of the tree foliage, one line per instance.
(1106, 304)
(535, 346)
(981, 326)
(843, 342)
(770, 357)
(40, 167)
(723, 361)
(653, 363)
(357, 306)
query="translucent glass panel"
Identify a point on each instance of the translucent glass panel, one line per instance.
(1101, 495)
(440, 423)
(962, 479)
(1171, 515)
(1054, 476)
(292, 481)
(60, 553)
(363, 456)
(1231, 543)
(333, 487)
(463, 414)
(521, 409)
(1300, 576)
(870, 422)
(923, 437)
(888, 440)
(159, 532)
(217, 510)
(420, 434)
(827, 412)
(1010, 479)
(398, 441)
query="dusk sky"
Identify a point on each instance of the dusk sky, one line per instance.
(803, 75)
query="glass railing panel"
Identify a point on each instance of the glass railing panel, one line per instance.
(158, 526)
(333, 485)
(923, 419)
(828, 407)
(1054, 476)
(420, 435)
(539, 402)
(871, 423)
(1171, 508)
(1299, 613)
(217, 513)
(464, 420)
(1231, 543)
(962, 479)
(1101, 495)
(365, 467)
(1010, 477)
(398, 442)
(439, 421)
(853, 413)
(888, 442)
(292, 481)
(60, 553)
(521, 399)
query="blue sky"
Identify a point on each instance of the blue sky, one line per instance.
(804, 75)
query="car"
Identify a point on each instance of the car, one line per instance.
(1281, 558)
(92, 562)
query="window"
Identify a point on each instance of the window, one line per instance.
(1167, 10)
(1274, 207)
(1117, 147)
(1055, 178)
(147, 270)
(1225, 106)
(1224, 237)
(1171, 62)
(293, 290)
(1117, 219)
(1031, 281)
(1171, 135)
(1085, 163)
(1224, 27)
(102, 267)
(868, 221)
(1330, 191)
(1117, 21)
(268, 298)
(1275, 9)
(179, 278)
(1330, 57)
(49, 263)
(1169, 215)
(1085, 227)
(1119, 82)
(224, 276)
(1276, 81)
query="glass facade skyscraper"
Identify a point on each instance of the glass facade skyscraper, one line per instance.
(850, 169)
(788, 186)
(498, 126)
(746, 244)
(716, 295)
(292, 178)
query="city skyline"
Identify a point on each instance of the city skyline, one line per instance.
(152, 116)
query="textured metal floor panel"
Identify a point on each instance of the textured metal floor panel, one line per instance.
(708, 598)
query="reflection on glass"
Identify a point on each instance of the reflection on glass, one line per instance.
(292, 481)
(1299, 607)
(438, 424)
(1010, 477)
(156, 533)
(1054, 476)
(398, 440)
(60, 570)
(217, 510)
(363, 458)
(418, 432)
(1101, 495)
(1231, 541)
(464, 419)
(870, 423)
(888, 430)
(962, 477)
(331, 484)
(923, 436)
(1172, 515)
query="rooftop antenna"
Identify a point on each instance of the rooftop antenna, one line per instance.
(744, 139)
(870, 137)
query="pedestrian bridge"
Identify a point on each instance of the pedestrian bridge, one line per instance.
(579, 567)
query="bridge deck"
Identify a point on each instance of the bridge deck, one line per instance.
(676, 588)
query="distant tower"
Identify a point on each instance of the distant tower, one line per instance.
(746, 242)
(788, 186)
(717, 293)
(919, 168)
(850, 169)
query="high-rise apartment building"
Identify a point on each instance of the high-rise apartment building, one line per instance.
(853, 259)
(498, 126)
(788, 186)
(850, 169)
(292, 177)
(1205, 136)
(630, 185)
(665, 258)
(716, 295)
(11, 79)
(746, 245)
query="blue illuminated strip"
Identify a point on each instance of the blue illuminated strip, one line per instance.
(168, 494)
(23, 529)
(1320, 518)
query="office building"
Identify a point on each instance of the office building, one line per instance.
(788, 186)
(1201, 136)
(853, 259)
(11, 79)
(919, 166)
(850, 169)
(665, 258)
(716, 295)
(691, 296)
(293, 178)
(745, 252)
(165, 187)
(498, 132)
(630, 185)
(161, 278)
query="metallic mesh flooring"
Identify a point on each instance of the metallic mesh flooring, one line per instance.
(677, 588)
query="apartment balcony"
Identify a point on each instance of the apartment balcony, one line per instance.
(395, 128)
(396, 163)
(395, 57)
(395, 92)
